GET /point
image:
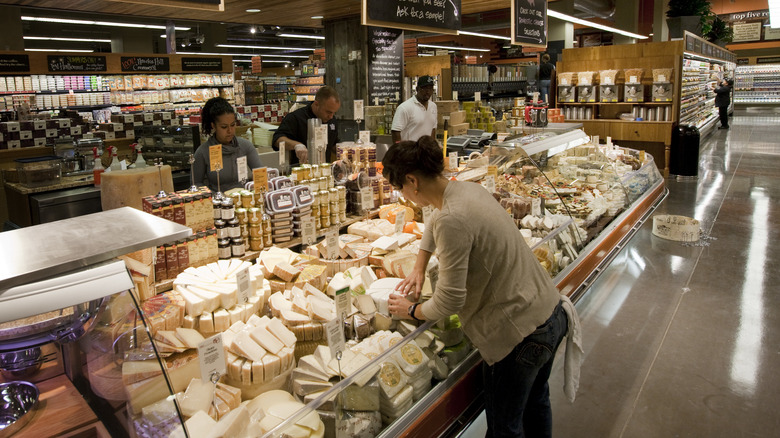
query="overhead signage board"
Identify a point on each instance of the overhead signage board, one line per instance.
(201, 64)
(439, 16)
(145, 63)
(529, 23)
(14, 63)
(67, 63)
(385, 63)
(744, 32)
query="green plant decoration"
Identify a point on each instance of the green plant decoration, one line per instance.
(719, 31)
(688, 8)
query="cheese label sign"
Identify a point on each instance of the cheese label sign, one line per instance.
(334, 331)
(215, 157)
(332, 242)
(242, 168)
(343, 303)
(400, 221)
(358, 109)
(365, 137)
(453, 160)
(366, 198)
(211, 355)
(282, 154)
(244, 286)
(260, 177)
(492, 170)
(490, 183)
(308, 231)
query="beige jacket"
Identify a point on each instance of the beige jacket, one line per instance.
(487, 273)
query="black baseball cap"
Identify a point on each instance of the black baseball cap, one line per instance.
(425, 81)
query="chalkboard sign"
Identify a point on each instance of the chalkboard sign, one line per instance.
(76, 63)
(386, 63)
(529, 23)
(145, 63)
(14, 63)
(201, 64)
(442, 16)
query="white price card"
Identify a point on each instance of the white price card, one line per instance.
(211, 355)
(334, 332)
(477, 96)
(321, 137)
(260, 177)
(242, 169)
(332, 242)
(453, 160)
(308, 231)
(400, 221)
(454, 95)
(367, 198)
(365, 137)
(244, 286)
(343, 300)
(376, 101)
(282, 153)
(490, 183)
(427, 214)
(358, 110)
(536, 207)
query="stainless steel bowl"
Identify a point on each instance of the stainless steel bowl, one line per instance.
(18, 401)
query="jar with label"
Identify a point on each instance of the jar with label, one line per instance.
(236, 197)
(267, 227)
(255, 216)
(256, 244)
(268, 240)
(212, 245)
(216, 206)
(325, 219)
(234, 228)
(325, 169)
(167, 210)
(237, 246)
(325, 209)
(334, 219)
(222, 228)
(228, 211)
(225, 251)
(247, 199)
(255, 231)
(243, 216)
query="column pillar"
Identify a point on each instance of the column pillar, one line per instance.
(346, 62)
(660, 29)
(627, 18)
(11, 23)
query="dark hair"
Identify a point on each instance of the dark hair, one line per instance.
(214, 107)
(325, 93)
(730, 82)
(423, 158)
(546, 58)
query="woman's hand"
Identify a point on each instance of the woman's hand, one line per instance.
(399, 306)
(412, 284)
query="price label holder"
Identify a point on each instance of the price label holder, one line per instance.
(365, 137)
(308, 231)
(242, 169)
(358, 110)
(332, 242)
(477, 96)
(454, 95)
(492, 170)
(282, 154)
(334, 333)
(427, 214)
(490, 183)
(211, 355)
(536, 207)
(367, 198)
(260, 177)
(215, 157)
(400, 221)
(376, 101)
(244, 286)
(453, 160)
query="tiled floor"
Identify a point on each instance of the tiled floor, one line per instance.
(684, 341)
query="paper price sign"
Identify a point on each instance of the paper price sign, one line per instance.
(490, 183)
(492, 170)
(332, 243)
(358, 109)
(366, 198)
(282, 153)
(453, 160)
(211, 355)
(454, 95)
(400, 221)
(244, 286)
(334, 332)
(308, 231)
(260, 177)
(215, 157)
(365, 137)
(242, 168)
(477, 96)
(427, 213)
(321, 136)
(343, 303)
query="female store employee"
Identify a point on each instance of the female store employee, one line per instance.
(219, 122)
(488, 275)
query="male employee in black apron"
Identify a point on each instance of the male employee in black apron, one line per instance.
(294, 130)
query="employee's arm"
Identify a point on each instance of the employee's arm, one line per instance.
(301, 151)
(396, 136)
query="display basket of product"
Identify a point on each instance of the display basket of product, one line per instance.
(634, 75)
(662, 75)
(565, 78)
(585, 77)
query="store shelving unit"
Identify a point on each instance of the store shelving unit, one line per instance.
(307, 81)
(757, 85)
(697, 100)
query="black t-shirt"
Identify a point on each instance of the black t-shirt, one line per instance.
(295, 126)
(545, 71)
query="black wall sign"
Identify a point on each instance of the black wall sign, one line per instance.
(529, 22)
(201, 64)
(743, 61)
(385, 63)
(771, 60)
(14, 63)
(411, 14)
(145, 63)
(76, 63)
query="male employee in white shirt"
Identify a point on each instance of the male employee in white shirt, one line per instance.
(418, 115)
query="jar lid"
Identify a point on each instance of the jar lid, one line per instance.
(227, 203)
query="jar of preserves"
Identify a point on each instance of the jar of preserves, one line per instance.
(216, 208)
(225, 250)
(227, 209)
(222, 229)
(234, 228)
(256, 244)
(237, 246)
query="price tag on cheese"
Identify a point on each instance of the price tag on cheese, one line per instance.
(334, 332)
(454, 95)
(400, 221)
(332, 242)
(490, 183)
(211, 355)
(244, 286)
(215, 157)
(453, 160)
(661, 78)
(358, 110)
(427, 214)
(536, 207)
(282, 154)
(492, 170)
(365, 137)
(500, 137)
(242, 168)
(367, 198)
(260, 177)
(343, 300)
(477, 96)
(308, 231)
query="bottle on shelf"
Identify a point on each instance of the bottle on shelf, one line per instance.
(139, 161)
(114, 160)
(97, 169)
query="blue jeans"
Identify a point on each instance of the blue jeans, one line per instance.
(517, 397)
(544, 90)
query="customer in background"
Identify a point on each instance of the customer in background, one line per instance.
(489, 277)
(722, 101)
(294, 129)
(546, 73)
(417, 116)
(218, 120)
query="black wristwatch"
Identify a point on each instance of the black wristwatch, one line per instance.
(412, 308)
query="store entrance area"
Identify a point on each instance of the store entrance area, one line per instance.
(683, 340)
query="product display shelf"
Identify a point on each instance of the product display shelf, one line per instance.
(697, 98)
(757, 84)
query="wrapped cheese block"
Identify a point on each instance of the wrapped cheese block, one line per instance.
(126, 188)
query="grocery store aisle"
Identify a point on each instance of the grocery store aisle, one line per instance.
(684, 341)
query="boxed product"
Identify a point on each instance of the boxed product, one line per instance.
(459, 129)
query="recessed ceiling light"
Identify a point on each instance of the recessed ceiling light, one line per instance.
(571, 19)
(484, 35)
(466, 49)
(317, 17)
(98, 23)
(241, 46)
(82, 40)
(300, 35)
(252, 30)
(253, 11)
(58, 50)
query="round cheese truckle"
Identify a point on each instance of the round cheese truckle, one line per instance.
(126, 188)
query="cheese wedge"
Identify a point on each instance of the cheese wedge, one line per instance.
(232, 424)
(286, 410)
(197, 397)
(189, 337)
(267, 399)
(268, 341)
(281, 332)
(243, 345)
(200, 425)
(193, 304)
(272, 367)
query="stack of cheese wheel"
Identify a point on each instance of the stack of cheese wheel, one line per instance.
(353, 251)
(304, 312)
(306, 272)
(259, 354)
(164, 312)
(210, 295)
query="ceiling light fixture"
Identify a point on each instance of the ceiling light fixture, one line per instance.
(467, 49)
(239, 46)
(317, 17)
(81, 40)
(243, 54)
(576, 20)
(298, 35)
(484, 35)
(98, 23)
(774, 14)
(58, 50)
(253, 11)
(252, 30)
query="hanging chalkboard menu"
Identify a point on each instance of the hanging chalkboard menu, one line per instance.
(441, 16)
(385, 63)
(66, 63)
(201, 64)
(145, 63)
(14, 63)
(529, 23)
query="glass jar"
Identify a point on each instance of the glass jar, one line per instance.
(216, 206)
(227, 210)
(234, 228)
(256, 244)
(225, 250)
(237, 246)
(222, 228)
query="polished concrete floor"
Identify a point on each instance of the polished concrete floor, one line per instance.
(684, 341)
